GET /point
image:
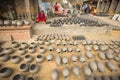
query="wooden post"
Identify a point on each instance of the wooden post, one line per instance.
(118, 8)
(98, 6)
(36, 7)
(113, 6)
(27, 4)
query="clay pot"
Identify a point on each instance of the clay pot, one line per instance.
(27, 22)
(58, 60)
(54, 74)
(50, 48)
(66, 73)
(31, 49)
(47, 43)
(74, 58)
(40, 42)
(64, 43)
(78, 50)
(33, 45)
(24, 45)
(39, 58)
(4, 57)
(18, 77)
(34, 68)
(75, 43)
(15, 59)
(14, 23)
(31, 78)
(15, 44)
(21, 51)
(24, 67)
(49, 57)
(41, 49)
(58, 43)
(1, 23)
(28, 58)
(9, 50)
(58, 50)
(20, 23)
(64, 49)
(71, 43)
(7, 23)
(5, 72)
(70, 49)
(65, 60)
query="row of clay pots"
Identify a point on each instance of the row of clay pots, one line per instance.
(14, 23)
(33, 68)
(22, 77)
(65, 49)
(65, 73)
(27, 58)
(51, 37)
(44, 42)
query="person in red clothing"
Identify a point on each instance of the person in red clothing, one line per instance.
(56, 7)
(41, 17)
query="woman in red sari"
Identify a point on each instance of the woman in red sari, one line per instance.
(41, 17)
(56, 7)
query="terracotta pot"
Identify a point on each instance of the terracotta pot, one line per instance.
(50, 48)
(54, 74)
(4, 57)
(58, 50)
(49, 57)
(20, 23)
(65, 60)
(9, 50)
(31, 78)
(28, 58)
(15, 44)
(64, 49)
(33, 44)
(7, 22)
(34, 68)
(47, 43)
(15, 59)
(66, 73)
(24, 67)
(74, 58)
(5, 72)
(24, 45)
(39, 58)
(40, 42)
(18, 77)
(41, 49)
(76, 71)
(27, 22)
(21, 51)
(31, 49)
(14, 23)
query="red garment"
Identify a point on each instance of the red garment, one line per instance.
(56, 7)
(41, 18)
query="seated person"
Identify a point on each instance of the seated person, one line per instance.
(41, 17)
(63, 12)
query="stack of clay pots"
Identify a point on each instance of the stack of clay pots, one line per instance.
(15, 23)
